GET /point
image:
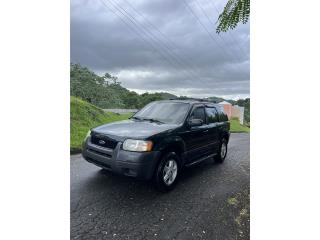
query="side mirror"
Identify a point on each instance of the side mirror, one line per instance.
(195, 122)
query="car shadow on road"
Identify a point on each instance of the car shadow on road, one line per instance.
(105, 181)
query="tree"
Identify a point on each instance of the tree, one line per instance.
(145, 98)
(234, 12)
(105, 91)
(131, 100)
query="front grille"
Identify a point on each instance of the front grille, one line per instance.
(107, 141)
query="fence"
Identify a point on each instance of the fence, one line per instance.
(238, 112)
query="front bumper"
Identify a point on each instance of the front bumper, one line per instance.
(134, 164)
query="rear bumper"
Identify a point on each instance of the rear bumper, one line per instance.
(134, 164)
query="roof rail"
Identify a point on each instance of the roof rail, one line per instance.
(194, 99)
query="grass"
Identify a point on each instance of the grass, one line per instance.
(84, 116)
(235, 126)
(244, 214)
(233, 201)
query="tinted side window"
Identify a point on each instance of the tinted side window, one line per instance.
(222, 116)
(198, 113)
(212, 115)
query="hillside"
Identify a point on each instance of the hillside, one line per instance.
(106, 91)
(84, 116)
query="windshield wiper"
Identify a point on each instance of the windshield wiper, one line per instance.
(152, 120)
(146, 119)
(137, 118)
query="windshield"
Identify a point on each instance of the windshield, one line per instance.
(165, 112)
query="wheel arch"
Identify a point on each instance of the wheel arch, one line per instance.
(173, 144)
(225, 135)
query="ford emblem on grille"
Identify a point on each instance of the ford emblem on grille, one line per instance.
(101, 142)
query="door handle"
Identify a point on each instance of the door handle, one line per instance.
(205, 131)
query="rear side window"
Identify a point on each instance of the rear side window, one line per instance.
(212, 115)
(198, 113)
(222, 116)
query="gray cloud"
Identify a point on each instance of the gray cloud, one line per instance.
(186, 60)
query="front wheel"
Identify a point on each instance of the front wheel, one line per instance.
(222, 151)
(167, 172)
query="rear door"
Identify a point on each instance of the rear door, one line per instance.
(213, 128)
(224, 122)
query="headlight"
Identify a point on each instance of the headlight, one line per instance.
(137, 145)
(88, 134)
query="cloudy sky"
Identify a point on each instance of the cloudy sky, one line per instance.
(162, 45)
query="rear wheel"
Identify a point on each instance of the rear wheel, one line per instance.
(222, 151)
(167, 172)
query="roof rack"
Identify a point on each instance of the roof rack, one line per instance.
(194, 99)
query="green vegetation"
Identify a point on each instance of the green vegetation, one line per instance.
(235, 11)
(84, 116)
(233, 201)
(106, 91)
(235, 126)
(244, 214)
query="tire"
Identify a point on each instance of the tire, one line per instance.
(167, 172)
(222, 151)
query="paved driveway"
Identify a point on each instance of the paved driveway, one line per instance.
(211, 201)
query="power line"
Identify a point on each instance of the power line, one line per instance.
(211, 36)
(135, 31)
(134, 26)
(170, 43)
(128, 25)
(153, 38)
(163, 45)
(206, 15)
(139, 34)
(209, 33)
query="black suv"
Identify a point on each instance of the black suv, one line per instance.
(159, 140)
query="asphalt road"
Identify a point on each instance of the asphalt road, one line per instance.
(211, 201)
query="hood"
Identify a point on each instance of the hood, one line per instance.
(133, 128)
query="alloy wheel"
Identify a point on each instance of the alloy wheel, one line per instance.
(170, 171)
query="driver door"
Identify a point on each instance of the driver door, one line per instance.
(197, 137)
